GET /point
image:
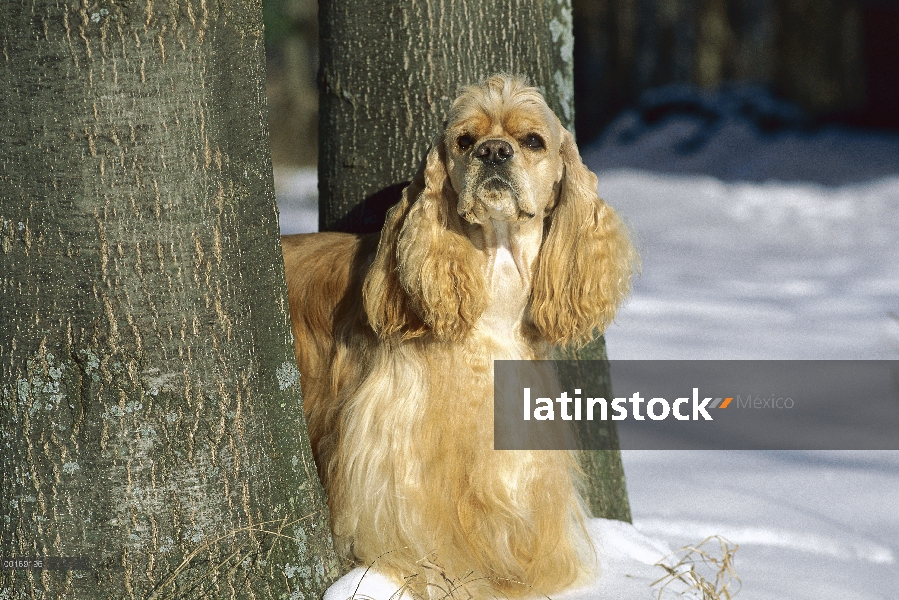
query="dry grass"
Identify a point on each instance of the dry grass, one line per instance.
(710, 572)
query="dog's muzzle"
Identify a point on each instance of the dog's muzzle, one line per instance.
(499, 198)
(495, 196)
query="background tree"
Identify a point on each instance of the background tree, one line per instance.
(150, 412)
(809, 51)
(389, 72)
(291, 43)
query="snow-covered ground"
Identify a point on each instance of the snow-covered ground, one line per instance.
(779, 244)
(760, 238)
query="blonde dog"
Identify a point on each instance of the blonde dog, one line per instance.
(498, 249)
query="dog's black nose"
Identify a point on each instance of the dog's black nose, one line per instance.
(494, 152)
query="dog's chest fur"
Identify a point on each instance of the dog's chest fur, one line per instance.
(511, 253)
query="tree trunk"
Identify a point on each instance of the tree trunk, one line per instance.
(389, 71)
(150, 412)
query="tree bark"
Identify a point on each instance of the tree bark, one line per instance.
(150, 411)
(389, 71)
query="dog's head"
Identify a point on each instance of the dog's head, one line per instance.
(502, 155)
(503, 152)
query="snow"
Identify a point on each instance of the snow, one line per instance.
(819, 525)
(777, 244)
(297, 194)
(761, 237)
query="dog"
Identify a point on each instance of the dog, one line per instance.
(498, 249)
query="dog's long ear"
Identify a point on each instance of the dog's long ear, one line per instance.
(585, 264)
(385, 301)
(427, 275)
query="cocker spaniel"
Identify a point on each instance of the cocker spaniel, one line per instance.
(498, 249)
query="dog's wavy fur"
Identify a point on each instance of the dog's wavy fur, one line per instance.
(396, 336)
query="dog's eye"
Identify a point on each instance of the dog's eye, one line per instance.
(534, 141)
(464, 142)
